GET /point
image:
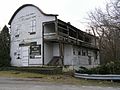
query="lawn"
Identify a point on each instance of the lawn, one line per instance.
(59, 78)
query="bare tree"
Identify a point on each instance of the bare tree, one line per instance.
(106, 25)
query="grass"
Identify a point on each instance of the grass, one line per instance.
(59, 78)
(19, 74)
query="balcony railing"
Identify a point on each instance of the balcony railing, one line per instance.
(50, 36)
(60, 31)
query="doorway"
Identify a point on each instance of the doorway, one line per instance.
(25, 55)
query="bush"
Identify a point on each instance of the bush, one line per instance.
(82, 70)
(109, 68)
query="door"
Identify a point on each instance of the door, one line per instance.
(25, 55)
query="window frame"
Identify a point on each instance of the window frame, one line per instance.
(17, 30)
(33, 26)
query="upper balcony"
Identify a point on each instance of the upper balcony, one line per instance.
(49, 31)
(66, 33)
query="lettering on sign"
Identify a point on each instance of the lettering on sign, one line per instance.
(35, 51)
(27, 17)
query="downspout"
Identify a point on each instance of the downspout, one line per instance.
(43, 43)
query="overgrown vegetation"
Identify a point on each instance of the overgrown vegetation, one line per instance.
(105, 23)
(4, 47)
(109, 68)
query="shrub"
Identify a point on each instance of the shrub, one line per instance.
(109, 68)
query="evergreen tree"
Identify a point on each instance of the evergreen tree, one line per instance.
(4, 47)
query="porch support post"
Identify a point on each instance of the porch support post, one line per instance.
(61, 50)
(56, 26)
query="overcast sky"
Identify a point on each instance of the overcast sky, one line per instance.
(74, 11)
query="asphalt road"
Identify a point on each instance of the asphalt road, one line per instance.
(31, 84)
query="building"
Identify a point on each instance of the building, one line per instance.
(42, 39)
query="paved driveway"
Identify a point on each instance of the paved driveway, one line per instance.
(28, 84)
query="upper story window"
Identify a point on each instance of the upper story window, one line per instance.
(72, 32)
(17, 30)
(33, 26)
(88, 39)
(84, 52)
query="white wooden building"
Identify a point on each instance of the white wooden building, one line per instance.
(42, 39)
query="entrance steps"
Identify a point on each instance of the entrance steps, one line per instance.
(55, 61)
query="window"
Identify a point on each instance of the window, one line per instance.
(80, 35)
(17, 30)
(72, 33)
(89, 60)
(79, 52)
(88, 39)
(73, 51)
(89, 52)
(84, 52)
(62, 28)
(33, 26)
(96, 54)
